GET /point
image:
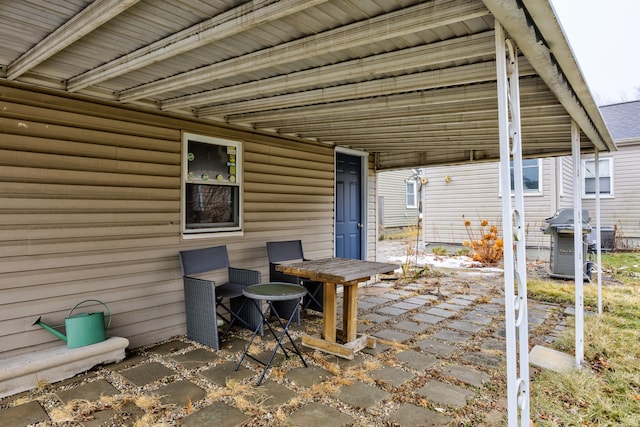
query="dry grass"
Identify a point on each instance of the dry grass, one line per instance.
(78, 410)
(606, 391)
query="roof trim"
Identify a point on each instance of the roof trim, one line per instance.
(544, 44)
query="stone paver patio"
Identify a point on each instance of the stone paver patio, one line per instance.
(438, 352)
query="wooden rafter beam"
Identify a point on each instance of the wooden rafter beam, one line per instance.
(428, 15)
(90, 18)
(227, 24)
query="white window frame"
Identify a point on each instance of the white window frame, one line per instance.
(531, 191)
(538, 192)
(225, 178)
(584, 178)
(411, 192)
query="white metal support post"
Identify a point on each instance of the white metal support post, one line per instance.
(515, 272)
(598, 237)
(578, 242)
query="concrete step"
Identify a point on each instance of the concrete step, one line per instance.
(26, 371)
(553, 360)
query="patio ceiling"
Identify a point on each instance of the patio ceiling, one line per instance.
(412, 81)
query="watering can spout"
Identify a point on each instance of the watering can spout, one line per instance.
(50, 329)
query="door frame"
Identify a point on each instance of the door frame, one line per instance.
(364, 186)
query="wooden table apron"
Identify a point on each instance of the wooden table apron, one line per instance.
(333, 272)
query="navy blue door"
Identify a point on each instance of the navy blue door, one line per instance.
(348, 207)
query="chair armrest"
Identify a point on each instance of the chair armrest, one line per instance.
(196, 279)
(200, 311)
(242, 276)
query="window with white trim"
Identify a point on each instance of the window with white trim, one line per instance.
(589, 174)
(412, 194)
(212, 185)
(531, 176)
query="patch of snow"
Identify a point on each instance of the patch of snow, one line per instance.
(439, 261)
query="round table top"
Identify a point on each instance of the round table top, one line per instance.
(274, 291)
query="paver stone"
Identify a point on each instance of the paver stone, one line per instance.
(436, 347)
(147, 373)
(309, 376)
(360, 395)
(216, 414)
(180, 393)
(90, 391)
(391, 375)
(195, 358)
(408, 415)
(25, 414)
(465, 374)
(416, 360)
(318, 415)
(445, 394)
(392, 335)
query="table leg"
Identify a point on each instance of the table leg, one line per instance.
(329, 315)
(350, 312)
(279, 339)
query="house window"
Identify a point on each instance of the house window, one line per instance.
(531, 178)
(412, 194)
(589, 168)
(212, 185)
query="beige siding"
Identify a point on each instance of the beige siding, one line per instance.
(372, 219)
(622, 209)
(90, 208)
(472, 190)
(566, 192)
(469, 190)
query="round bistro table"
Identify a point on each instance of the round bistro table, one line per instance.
(270, 292)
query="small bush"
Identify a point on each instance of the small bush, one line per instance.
(463, 252)
(440, 251)
(484, 241)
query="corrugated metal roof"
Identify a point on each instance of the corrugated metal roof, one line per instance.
(413, 81)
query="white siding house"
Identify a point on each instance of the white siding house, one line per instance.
(619, 175)
(398, 199)
(472, 189)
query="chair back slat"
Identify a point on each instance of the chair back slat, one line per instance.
(284, 251)
(195, 261)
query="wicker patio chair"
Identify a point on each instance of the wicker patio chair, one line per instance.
(206, 303)
(287, 251)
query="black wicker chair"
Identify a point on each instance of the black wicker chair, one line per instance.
(205, 302)
(287, 251)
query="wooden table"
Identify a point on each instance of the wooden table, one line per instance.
(333, 272)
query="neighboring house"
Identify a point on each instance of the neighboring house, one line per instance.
(619, 175)
(472, 189)
(297, 105)
(398, 199)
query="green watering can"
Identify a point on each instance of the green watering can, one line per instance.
(82, 328)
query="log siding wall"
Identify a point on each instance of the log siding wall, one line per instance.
(90, 209)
